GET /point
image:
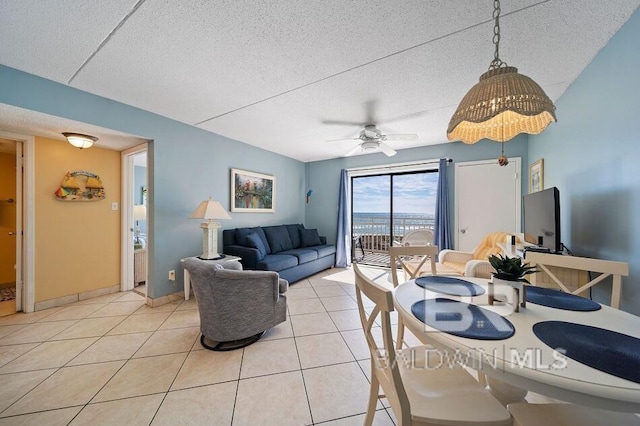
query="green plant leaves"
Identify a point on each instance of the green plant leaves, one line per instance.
(511, 268)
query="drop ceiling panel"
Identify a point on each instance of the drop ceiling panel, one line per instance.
(52, 39)
(219, 56)
(274, 74)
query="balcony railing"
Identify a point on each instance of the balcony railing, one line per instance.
(374, 231)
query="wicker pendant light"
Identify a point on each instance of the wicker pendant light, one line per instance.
(502, 104)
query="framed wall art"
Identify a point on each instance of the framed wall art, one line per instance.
(252, 192)
(536, 176)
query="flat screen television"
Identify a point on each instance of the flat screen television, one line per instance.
(542, 219)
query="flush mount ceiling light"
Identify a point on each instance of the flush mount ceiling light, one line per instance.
(79, 140)
(502, 104)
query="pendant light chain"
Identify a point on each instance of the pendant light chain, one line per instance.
(497, 62)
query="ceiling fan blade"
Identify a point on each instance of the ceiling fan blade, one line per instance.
(344, 123)
(388, 151)
(353, 151)
(408, 137)
(343, 140)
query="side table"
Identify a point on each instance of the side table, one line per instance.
(187, 275)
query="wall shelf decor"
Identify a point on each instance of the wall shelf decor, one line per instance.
(252, 192)
(80, 186)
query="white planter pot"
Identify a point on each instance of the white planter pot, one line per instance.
(519, 296)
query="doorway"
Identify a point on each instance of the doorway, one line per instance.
(8, 226)
(387, 207)
(134, 219)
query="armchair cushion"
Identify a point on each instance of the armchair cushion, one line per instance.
(254, 240)
(309, 238)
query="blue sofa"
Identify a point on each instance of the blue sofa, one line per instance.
(293, 251)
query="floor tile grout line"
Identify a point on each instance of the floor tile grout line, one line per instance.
(304, 383)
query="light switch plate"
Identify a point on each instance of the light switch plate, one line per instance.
(114, 206)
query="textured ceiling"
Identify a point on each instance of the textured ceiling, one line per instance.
(289, 75)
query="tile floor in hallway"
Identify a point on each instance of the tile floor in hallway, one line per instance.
(114, 360)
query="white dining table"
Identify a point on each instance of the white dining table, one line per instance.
(523, 361)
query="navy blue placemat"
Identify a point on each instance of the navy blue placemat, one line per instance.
(462, 319)
(449, 285)
(605, 350)
(560, 300)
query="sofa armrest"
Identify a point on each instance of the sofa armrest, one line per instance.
(478, 269)
(454, 256)
(249, 256)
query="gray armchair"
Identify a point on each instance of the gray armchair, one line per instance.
(236, 307)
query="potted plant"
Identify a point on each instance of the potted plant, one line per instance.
(512, 271)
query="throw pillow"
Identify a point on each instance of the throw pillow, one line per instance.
(254, 240)
(278, 238)
(241, 236)
(309, 237)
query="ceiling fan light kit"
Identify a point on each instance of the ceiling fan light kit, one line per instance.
(502, 104)
(371, 140)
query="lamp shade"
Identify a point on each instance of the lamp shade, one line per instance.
(210, 209)
(79, 140)
(140, 212)
(500, 106)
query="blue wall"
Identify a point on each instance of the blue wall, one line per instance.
(324, 176)
(186, 165)
(592, 155)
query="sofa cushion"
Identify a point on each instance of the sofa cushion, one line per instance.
(254, 240)
(304, 255)
(309, 237)
(277, 262)
(278, 238)
(294, 234)
(324, 250)
(241, 236)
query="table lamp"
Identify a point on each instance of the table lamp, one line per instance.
(139, 213)
(210, 209)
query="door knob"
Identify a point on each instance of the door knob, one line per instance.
(462, 231)
(11, 233)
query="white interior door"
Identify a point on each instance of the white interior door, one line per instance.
(487, 199)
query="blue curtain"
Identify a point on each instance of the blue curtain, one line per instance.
(343, 240)
(442, 227)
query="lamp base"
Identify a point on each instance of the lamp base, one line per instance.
(222, 256)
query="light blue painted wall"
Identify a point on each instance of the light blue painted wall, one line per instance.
(592, 154)
(324, 176)
(186, 165)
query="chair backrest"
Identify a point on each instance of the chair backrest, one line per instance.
(411, 259)
(418, 237)
(605, 268)
(383, 359)
(489, 245)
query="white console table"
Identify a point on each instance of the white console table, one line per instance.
(187, 275)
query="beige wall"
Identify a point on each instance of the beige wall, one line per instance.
(7, 217)
(77, 245)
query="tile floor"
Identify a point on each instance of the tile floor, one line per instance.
(114, 360)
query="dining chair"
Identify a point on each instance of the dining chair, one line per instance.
(419, 388)
(410, 259)
(567, 415)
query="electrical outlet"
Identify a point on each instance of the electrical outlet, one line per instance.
(172, 275)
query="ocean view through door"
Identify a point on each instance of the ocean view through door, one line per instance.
(387, 207)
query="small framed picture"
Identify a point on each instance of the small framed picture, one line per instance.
(536, 176)
(252, 192)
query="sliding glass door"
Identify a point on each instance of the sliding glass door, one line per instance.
(387, 207)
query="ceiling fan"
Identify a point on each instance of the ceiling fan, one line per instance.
(371, 139)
